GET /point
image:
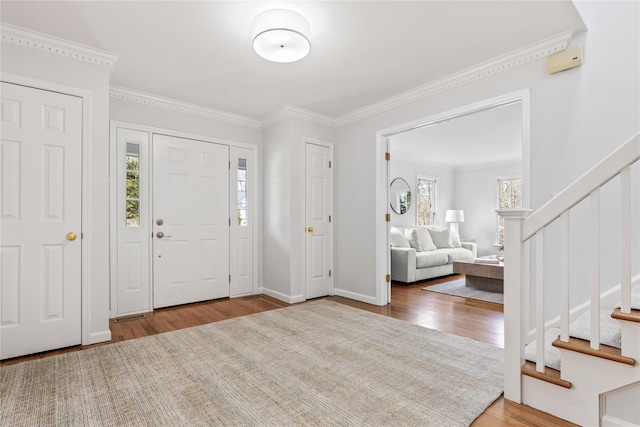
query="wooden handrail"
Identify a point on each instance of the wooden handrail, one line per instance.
(596, 177)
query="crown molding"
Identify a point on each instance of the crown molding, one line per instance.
(32, 39)
(521, 56)
(513, 59)
(300, 113)
(182, 107)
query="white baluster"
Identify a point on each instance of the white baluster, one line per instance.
(564, 276)
(625, 240)
(540, 301)
(594, 268)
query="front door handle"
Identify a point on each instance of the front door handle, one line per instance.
(160, 235)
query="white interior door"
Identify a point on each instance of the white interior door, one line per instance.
(40, 228)
(190, 221)
(318, 211)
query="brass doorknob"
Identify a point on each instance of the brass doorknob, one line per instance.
(71, 236)
(310, 229)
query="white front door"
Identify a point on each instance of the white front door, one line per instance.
(242, 221)
(318, 211)
(190, 221)
(40, 227)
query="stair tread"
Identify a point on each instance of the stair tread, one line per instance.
(634, 316)
(605, 351)
(549, 375)
(610, 329)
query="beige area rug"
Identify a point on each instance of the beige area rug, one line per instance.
(458, 288)
(320, 363)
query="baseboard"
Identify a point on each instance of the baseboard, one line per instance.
(282, 297)
(97, 337)
(355, 296)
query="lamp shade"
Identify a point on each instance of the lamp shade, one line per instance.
(454, 216)
(281, 35)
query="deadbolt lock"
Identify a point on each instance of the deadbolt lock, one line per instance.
(310, 229)
(159, 221)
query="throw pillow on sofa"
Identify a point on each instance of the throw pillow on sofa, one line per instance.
(425, 239)
(414, 241)
(397, 239)
(441, 237)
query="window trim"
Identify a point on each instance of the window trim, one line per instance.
(434, 213)
(497, 202)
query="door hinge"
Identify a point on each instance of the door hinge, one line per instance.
(229, 222)
(229, 278)
(387, 217)
(229, 164)
(329, 164)
(387, 156)
(329, 218)
(329, 273)
(387, 278)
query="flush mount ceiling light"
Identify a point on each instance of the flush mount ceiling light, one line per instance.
(281, 35)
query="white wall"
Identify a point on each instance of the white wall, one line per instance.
(36, 64)
(277, 210)
(141, 114)
(445, 192)
(284, 228)
(476, 193)
(577, 117)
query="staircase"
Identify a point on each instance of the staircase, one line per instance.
(572, 297)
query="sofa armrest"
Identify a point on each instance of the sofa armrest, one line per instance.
(472, 246)
(403, 264)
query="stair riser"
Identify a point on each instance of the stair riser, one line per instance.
(590, 376)
(631, 340)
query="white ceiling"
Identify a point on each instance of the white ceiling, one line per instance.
(491, 136)
(362, 51)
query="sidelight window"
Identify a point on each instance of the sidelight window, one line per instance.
(242, 192)
(133, 185)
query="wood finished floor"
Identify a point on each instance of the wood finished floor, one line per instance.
(478, 320)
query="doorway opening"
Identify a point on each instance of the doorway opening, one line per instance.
(518, 101)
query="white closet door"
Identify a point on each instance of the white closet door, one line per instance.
(190, 221)
(40, 228)
(318, 210)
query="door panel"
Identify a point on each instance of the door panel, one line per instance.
(318, 207)
(40, 228)
(242, 223)
(133, 285)
(190, 196)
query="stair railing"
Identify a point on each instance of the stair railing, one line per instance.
(522, 227)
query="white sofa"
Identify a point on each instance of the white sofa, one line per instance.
(426, 252)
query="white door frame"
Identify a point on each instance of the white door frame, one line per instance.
(113, 238)
(382, 172)
(85, 265)
(328, 145)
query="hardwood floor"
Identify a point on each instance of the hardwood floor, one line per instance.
(478, 320)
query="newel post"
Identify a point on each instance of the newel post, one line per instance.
(514, 304)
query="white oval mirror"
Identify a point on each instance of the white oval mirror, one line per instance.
(400, 196)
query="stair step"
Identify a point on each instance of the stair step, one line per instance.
(610, 329)
(605, 351)
(634, 316)
(549, 375)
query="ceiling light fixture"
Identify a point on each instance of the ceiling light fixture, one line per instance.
(281, 35)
